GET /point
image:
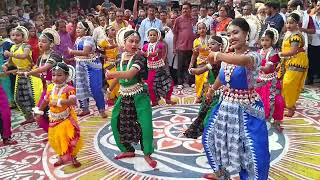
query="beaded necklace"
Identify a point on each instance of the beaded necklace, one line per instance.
(228, 70)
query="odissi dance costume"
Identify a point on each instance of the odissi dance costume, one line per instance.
(27, 90)
(64, 131)
(89, 75)
(236, 137)
(201, 79)
(269, 87)
(293, 70)
(160, 83)
(131, 119)
(110, 63)
(51, 58)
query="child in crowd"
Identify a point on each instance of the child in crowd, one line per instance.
(160, 83)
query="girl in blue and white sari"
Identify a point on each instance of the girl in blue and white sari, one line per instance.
(236, 137)
(88, 71)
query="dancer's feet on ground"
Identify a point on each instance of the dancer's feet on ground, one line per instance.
(103, 114)
(83, 113)
(152, 163)
(169, 102)
(58, 163)
(9, 141)
(198, 100)
(29, 120)
(125, 155)
(211, 176)
(75, 162)
(155, 104)
(278, 127)
(290, 112)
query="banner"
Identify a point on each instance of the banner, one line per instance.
(156, 1)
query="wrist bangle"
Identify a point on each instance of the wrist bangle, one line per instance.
(209, 66)
(37, 111)
(189, 70)
(59, 103)
(215, 56)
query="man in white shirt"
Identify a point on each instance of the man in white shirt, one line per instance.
(99, 32)
(150, 22)
(205, 18)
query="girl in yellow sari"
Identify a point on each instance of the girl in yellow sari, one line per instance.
(28, 89)
(64, 132)
(111, 51)
(199, 56)
(294, 66)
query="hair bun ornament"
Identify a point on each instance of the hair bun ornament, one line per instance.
(255, 28)
(225, 43)
(24, 31)
(154, 29)
(120, 36)
(72, 73)
(54, 33)
(275, 33)
(298, 12)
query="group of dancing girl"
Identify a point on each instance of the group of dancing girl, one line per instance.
(239, 89)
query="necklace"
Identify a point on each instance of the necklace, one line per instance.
(228, 70)
(60, 88)
(204, 41)
(128, 64)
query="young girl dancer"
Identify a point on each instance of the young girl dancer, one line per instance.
(28, 89)
(111, 50)
(195, 130)
(160, 83)
(236, 136)
(88, 71)
(199, 56)
(48, 58)
(294, 63)
(132, 114)
(5, 119)
(269, 86)
(64, 132)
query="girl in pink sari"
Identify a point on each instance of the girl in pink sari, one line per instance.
(269, 85)
(160, 83)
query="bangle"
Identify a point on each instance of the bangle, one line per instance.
(209, 66)
(215, 56)
(59, 103)
(189, 70)
(36, 110)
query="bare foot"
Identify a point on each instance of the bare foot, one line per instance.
(30, 120)
(103, 114)
(210, 176)
(198, 100)
(155, 104)
(9, 141)
(291, 112)
(83, 113)
(125, 155)
(170, 102)
(58, 163)
(152, 163)
(75, 162)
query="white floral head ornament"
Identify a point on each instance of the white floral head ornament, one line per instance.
(298, 12)
(275, 34)
(120, 35)
(255, 28)
(54, 33)
(24, 31)
(154, 29)
(71, 71)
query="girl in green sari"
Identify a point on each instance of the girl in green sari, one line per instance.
(131, 119)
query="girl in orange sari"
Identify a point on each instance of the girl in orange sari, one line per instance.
(64, 131)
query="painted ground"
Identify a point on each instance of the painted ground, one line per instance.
(295, 154)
